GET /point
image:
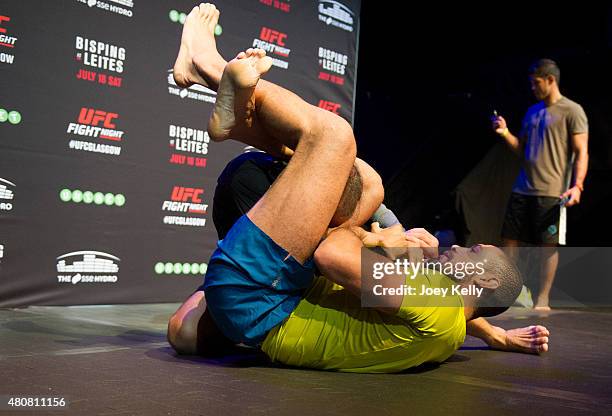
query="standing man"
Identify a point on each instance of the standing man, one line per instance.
(553, 147)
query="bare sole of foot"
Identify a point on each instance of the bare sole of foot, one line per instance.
(235, 104)
(529, 340)
(542, 308)
(198, 43)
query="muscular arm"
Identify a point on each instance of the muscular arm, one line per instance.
(581, 163)
(338, 258)
(513, 142)
(482, 329)
(530, 340)
(580, 147)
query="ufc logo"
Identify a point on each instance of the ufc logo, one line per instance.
(94, 117)
(3, 19)
(329, 106)
(271, 35)
(182, 194)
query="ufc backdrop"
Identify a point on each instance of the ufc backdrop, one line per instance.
(106, 171)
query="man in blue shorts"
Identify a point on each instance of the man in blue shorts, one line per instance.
(262, 268)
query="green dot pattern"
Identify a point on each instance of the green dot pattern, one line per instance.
(88, 197)
(180, 268)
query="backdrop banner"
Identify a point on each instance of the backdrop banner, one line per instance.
(106, 170)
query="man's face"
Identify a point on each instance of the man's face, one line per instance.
(540, 86)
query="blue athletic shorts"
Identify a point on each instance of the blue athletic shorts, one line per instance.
(252, 284)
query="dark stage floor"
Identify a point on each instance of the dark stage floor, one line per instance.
(114, 360)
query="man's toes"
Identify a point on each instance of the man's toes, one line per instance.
(241, 55)
(249, 52)
(195, 10)
(538, 343)
(543, 348)
(214, 17)
(260, 52)
(544, 330)
(204, 10)
(540, 331)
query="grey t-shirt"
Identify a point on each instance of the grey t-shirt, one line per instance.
(547, 133)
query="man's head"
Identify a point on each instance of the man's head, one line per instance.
(492, 270)
(544, 76)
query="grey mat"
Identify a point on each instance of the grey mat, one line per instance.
(114, 360)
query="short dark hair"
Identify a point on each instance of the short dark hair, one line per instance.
(545, 67)
(350, 196)
(499, 300)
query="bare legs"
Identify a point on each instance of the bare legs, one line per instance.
(199, 62)
(299, 206)
(297, 209)
(549, 261)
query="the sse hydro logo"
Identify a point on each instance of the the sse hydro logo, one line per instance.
(189, 146)
(7, 42)
(187, 201)
(275, 44)
(195, 92)
(13, 117)
(336, 14)
(332, 65)
(102, 56)
(330, 106)
(92, 197)
(94, 123)
(87, 267)
(6, 195)
(122, 7)
(283, 6)
(185, 269)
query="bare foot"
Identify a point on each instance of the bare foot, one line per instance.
(542, 304)
(530, 340)
(235, 105)
(198, 44)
